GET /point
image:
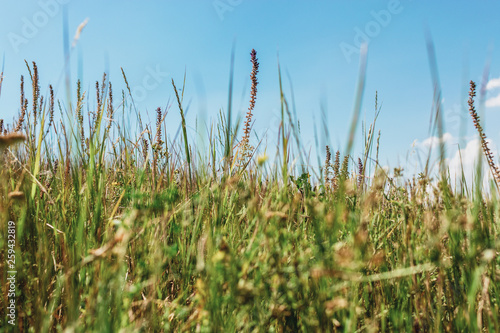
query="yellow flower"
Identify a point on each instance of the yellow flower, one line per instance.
(261, 159)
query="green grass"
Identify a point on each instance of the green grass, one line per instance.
(143, 234)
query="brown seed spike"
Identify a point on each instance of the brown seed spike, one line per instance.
(245, 147)
(484, 144)
(360, 173)
(336, 170)
(328, 166)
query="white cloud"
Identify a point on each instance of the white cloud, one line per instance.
(433, 141)
(459, 162)
(465, 162)
(493, 101)
(493, 83)
(417, 159)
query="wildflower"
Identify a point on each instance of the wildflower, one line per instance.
(261, 159)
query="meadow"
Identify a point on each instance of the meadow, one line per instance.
(117, 232)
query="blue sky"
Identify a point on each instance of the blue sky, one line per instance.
(317, 43)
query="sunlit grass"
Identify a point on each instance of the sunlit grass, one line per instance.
(145, 234)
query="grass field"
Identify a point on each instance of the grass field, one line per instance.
(120, 233)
